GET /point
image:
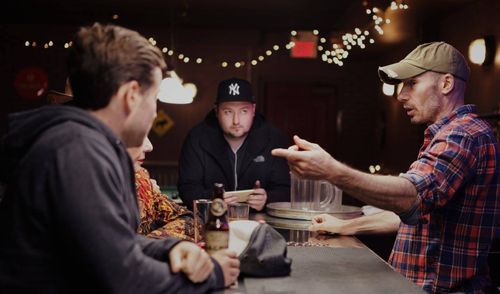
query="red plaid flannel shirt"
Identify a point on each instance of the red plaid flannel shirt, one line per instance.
(457, 177)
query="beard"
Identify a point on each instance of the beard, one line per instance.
(235, 134)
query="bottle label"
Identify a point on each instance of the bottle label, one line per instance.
(218, 207)
(216, 240)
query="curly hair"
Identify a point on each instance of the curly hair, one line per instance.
(104, 57)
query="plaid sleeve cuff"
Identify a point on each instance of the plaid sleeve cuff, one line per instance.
(410, 217)
(418, 210)
(419, 181)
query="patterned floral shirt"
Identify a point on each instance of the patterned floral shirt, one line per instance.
(457, 177)
(160, 216)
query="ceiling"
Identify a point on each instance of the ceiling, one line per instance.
(208, 14)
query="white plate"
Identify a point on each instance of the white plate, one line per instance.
(241, 194)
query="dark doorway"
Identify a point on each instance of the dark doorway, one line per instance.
(303, 109)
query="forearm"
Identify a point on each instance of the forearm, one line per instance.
(157, 249)
(387, 192)
(379, 223)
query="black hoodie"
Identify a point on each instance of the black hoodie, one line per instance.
(69, 215)
(207, 158)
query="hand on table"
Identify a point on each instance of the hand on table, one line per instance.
(325, 223)
(191, 260)
(258, 198)
(230, 265)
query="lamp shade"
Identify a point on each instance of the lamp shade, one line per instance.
(174, 92)
(482, 50)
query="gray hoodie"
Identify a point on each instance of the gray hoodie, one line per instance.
(69, 214)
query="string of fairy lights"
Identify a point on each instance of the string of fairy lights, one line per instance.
(331, 52)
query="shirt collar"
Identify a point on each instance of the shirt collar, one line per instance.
(461, 111)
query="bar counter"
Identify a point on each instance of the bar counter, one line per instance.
(326, 264)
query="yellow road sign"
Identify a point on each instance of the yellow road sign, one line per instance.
(162, 123)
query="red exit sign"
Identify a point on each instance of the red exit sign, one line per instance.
(306, 45)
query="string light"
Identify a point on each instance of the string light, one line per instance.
(340, 51)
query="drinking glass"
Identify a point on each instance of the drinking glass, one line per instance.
(237, 211)
(201, 210)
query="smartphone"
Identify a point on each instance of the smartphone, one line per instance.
(241, 194)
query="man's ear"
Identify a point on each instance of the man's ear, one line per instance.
(447, 83)
(129, 94)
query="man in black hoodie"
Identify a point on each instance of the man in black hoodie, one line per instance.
(233, 146)
(69, 214)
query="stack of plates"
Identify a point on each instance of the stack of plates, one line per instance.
(284, 210)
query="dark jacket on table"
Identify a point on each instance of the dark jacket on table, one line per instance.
(69, 215)
(206, 158)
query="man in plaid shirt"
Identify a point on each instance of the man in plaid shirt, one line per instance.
(448, 201)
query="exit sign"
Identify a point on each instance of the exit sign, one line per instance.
(306, 45)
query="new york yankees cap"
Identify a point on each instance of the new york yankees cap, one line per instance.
(436, 56)
(234, 89)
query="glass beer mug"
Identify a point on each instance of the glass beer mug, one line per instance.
(317, 195)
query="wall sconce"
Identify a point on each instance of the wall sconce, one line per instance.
(391, 90)
(388, 90)
(482, 51)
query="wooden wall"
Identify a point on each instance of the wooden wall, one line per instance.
(372, 127)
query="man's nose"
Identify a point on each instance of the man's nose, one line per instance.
(402, 96)
(236, 119)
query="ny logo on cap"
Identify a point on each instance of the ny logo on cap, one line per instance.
(234, 89)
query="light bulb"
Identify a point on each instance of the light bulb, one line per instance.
(387, 89)
(477, 51)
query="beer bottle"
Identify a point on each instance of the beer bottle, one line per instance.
(217, 226)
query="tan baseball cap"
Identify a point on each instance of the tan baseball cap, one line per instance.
(436, 56)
